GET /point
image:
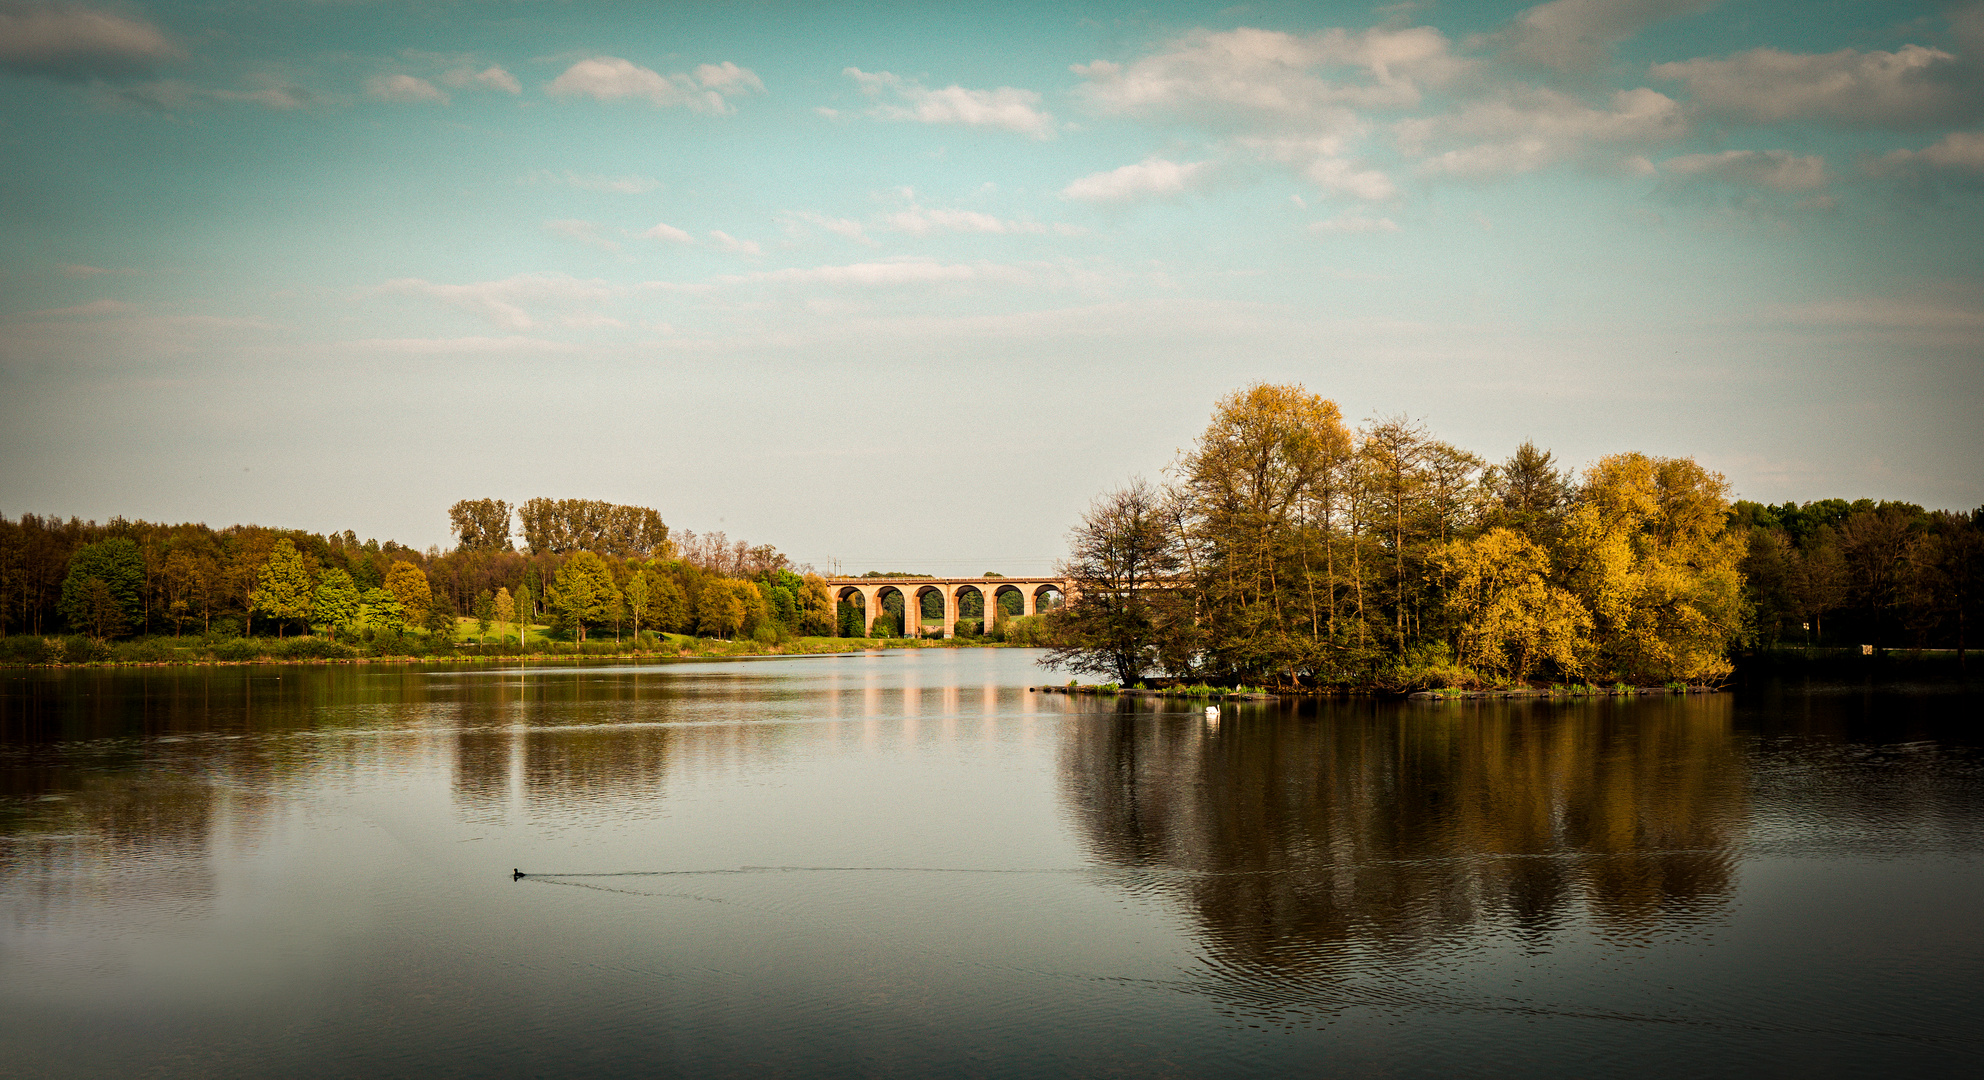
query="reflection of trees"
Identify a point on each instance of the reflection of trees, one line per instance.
(1291, 837)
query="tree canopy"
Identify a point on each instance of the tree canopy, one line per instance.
(1289, 548)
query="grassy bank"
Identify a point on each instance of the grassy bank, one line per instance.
(27, 650)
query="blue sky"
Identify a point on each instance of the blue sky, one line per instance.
(905, 289)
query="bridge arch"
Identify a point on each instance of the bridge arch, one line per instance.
(1036, 594)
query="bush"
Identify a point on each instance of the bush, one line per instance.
(81, 650)
(142, 651)
(315, 648)
(1428, 666)
(1029, 631)
(239, 648)
(29, 649)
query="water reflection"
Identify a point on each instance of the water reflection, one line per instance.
(1299, 842)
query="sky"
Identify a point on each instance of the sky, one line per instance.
(895, 288)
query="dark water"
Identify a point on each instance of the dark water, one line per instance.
(907, 865)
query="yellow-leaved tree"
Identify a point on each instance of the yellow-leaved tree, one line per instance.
(1512, 617)
(1647, 554)
(408, 584)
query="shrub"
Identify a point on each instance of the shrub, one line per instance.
(239, 648)
(29, 649)
(315, 648)
(82, 650)
(1429, 666)
(142, 651)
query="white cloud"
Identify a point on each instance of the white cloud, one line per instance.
(1578, 35)
(514, 343)
(94, 307)
(1351, 223)
(66, 41)
(585, 232)
(1959, 152)
(404, 88)
(1150, 177)
(609, 78)
(491, 77)
(504, 302)
(1944, 322)
(921, 221)
(1250, 73)
(1322, 161)
(1531, 128)
(1778, 170)
(728, 78)
(668, 234)
(735, 246)
(885, 274)
(844, 227)
(1006, 107)
(1910, 87)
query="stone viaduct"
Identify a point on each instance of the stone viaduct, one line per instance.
(871, 590)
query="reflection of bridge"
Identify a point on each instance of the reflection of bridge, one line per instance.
(872, 590)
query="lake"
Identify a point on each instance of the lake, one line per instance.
(907, 864)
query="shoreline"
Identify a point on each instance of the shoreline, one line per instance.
(474, 656)
(1209, 693)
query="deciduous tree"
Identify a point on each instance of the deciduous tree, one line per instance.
(119, 566)
(284, 588)
(1648, 554)
(586, 595)
(408, 584)
(506, 612)
(336, 604)
(720, 611)
(481, 524)
(1511, 617)
(1123, 561)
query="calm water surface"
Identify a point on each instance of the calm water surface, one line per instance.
(905, 864)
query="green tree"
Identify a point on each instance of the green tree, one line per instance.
(481, 524)
(585, 592)
(336, 604)
(816, 607)
(408, 584)
(640, 589)
(120, 567)
(381, 610)
(1529, 494)
(439, 622)
(506, 612)
(106, 617)
(720, 610)
(1250, 487)
(668, 605)
(757, 611)
(484, 612)
(284, 589)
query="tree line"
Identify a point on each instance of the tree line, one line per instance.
(1286, 547)
(585, 567)
(1861, 573)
